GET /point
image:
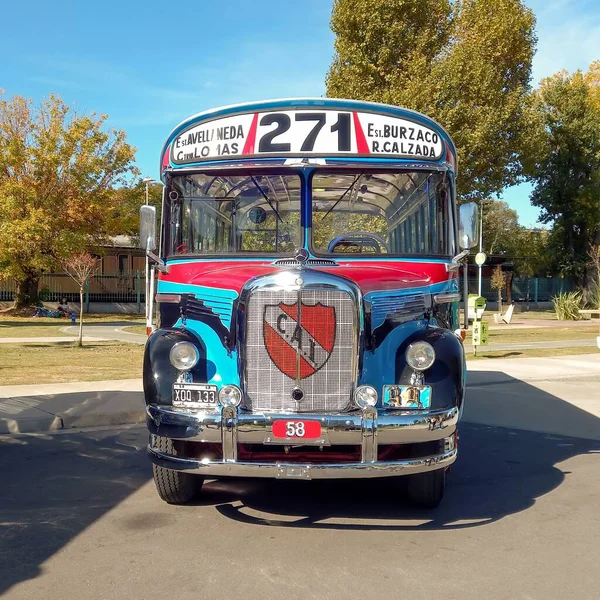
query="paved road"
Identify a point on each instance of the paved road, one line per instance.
(79, 516)
(108, 331)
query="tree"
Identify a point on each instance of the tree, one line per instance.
(500, 226)
(497, 282)
(465, 63)
(79, 267)
(567, 173)
(526, 249)
(124, 218)
(58, 171)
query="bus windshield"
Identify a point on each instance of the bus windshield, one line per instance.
(230, 214)
(394, 213)
(401, 213)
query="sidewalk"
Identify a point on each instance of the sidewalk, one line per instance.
(554, 395)
(50, 407)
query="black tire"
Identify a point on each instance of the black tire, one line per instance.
(426, 490)
(174, 487)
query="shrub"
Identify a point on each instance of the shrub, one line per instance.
(567, 305)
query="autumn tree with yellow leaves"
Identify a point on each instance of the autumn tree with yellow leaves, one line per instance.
(58, 174)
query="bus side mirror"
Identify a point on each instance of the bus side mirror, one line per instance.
(468, 225)
(148, 228)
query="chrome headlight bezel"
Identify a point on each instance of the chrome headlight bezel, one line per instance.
(193, 356)
(420, 355)
(230, 395)
(365, 396)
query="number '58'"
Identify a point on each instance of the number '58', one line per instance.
(294, 429)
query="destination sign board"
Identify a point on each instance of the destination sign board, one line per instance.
(305, 132)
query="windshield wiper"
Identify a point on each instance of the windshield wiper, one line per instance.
(265, 197)
(343, 195)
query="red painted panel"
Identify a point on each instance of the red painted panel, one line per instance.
(369, 276)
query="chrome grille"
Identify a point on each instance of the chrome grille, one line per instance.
(268, 389)
(399, 308)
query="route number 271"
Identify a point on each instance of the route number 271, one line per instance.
(283, 123)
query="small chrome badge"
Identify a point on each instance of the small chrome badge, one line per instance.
(301, 255)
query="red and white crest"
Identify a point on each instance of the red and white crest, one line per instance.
(299, 346)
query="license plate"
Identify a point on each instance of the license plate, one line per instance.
(197, 395)
(407, 396)
(297, 430)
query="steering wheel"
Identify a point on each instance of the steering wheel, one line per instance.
(360, 239)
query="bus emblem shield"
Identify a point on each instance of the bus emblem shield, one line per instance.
(299, 345)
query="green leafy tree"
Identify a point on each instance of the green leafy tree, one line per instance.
(567, 172)
(58, 170)
(466, 63)
(124, 218)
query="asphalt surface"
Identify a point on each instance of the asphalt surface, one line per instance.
(80, 518)
(108, 331)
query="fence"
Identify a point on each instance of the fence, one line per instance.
(125, 287)
(534, 289)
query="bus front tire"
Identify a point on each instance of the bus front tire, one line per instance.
(426, 490)
(174, 487)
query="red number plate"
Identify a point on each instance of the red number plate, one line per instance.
(305, 430)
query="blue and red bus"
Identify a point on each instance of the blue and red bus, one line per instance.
(308, 269)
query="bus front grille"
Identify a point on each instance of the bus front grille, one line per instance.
(300, 351)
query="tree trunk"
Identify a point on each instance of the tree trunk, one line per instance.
(508, 286)
(500, 300)
(26, 293)
(80, 317)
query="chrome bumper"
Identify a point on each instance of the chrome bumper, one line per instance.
(367, 429)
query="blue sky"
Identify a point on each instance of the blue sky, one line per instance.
(148, 65)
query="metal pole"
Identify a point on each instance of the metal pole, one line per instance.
(150, 304)
(480, 245)
(466, 294)
(138, 291)
(147, 288)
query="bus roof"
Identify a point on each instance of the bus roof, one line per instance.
(320, 130)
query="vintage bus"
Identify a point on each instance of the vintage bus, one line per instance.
(308, 269)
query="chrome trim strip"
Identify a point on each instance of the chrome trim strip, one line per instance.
(229, 432)
(446, 297)
(210, 468)
(369, 435)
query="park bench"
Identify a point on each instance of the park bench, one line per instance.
(593, 312)
(506, 317)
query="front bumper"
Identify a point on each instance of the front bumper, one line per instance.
(367, 429)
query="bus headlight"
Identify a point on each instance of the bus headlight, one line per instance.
(365, 395)
(184, 356)
(230, 395)
(420, 356)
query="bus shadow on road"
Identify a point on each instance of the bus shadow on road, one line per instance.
(504, 465)
(56, 486)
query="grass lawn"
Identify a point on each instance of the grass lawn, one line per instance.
(506, 335)
(43, 327)
(61, 363)
(532, 352)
